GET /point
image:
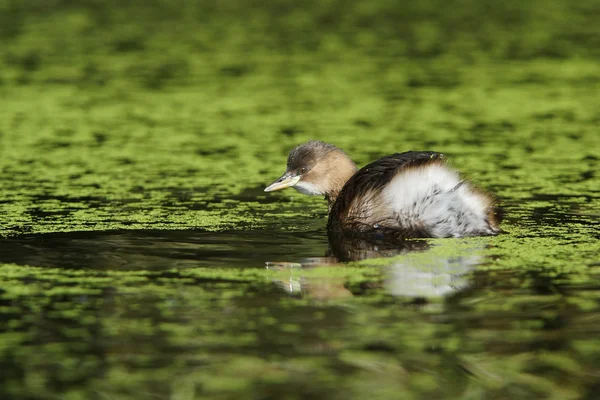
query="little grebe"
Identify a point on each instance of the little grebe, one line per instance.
(411, 194)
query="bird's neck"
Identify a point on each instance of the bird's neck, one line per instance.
(342, 170)
(333, 193)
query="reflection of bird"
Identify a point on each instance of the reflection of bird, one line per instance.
(418, 270)
(411, 194)
(348, 247)
(321, 288)
(430, 273)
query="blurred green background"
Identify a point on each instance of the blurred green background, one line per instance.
(174, 115)
(123, 115)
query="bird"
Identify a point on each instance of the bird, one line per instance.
(414, 194)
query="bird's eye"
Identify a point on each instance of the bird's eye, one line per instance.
(303, 170)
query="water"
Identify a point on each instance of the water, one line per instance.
(264, 313)
(159, 250)
(140, 257)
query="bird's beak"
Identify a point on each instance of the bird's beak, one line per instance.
(286, 180)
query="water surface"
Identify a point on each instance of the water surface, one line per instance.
(140, 257)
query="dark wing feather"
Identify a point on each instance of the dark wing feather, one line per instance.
(372, 178)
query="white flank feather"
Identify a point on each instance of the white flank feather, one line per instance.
(434, 198)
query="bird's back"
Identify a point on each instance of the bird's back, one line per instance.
(412, 194)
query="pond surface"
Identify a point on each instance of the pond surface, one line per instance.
(140, 257)
(264, 312)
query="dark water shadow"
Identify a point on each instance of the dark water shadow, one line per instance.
(167, 250)
(346, 247)
(156, 250)
(414, 271)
